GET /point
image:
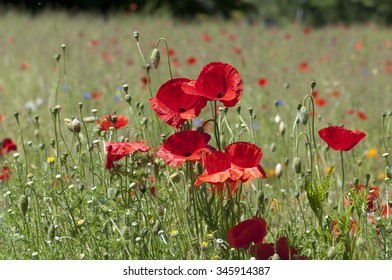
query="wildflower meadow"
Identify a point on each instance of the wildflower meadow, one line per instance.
(148, 138)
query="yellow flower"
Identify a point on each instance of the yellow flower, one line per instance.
(371, 153)
(328, 169)
(270, 172)
(204, 244)
(173, 232)
(50, 160)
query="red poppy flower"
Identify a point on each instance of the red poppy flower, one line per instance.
(339, 138)
(283, 250)
(174, 106)
(107, 122)
(217, 81)
(304, 67)
(320, 101)
(218, 171)
(4, 173)
(96, 95)
(192, 60)
(94, 43)
(7, 145)
(262, 82)
(247, 232)
(307, 30)
(206, 37)
(362, 116)
(182, 146)
(246, 157)
(118, 150)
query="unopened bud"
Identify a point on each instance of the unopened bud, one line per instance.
(23, 204)
(304, 115)
(312, 84)
(332, 252)
(297, 164)
(282, 128)
(155, 57)
(136, 35)
(51, 232)
(278, 170)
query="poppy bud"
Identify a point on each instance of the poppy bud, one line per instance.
(282, 128)
(388, 171)
(278, 170)
(157, 227)
(304, 115)
(136, 35)
(155, 58)
(312, 84)
(128, 98)
(361, 243)
(275, 257)
(23, 204)
(57, 57)
(273, 147)
(332, 252)
(125, 88)
(51, 232)
(297, 164)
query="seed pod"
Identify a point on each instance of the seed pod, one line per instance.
(23, 204)
(155, 57)
(297, 164)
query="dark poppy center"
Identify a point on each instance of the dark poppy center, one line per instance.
(219, 94)
(187, 154)
(182, 109)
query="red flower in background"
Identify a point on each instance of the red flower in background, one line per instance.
(182, 146)
(118, 150)
(247, 232)
(262, 82)
(304, 67)
(7, 145)
(362, 116)
(246, 158)
(319, 101)
(206, 37)
(4, 173)
(192, 60)
(110, 121)
(174, 106)
(339, 138)
(217, 81)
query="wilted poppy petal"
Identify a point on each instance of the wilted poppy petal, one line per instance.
(339, 138)
(118, 150)
(249, 231)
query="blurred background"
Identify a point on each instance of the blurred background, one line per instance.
(272, 12)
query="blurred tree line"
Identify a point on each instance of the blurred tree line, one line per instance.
(312, 12)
